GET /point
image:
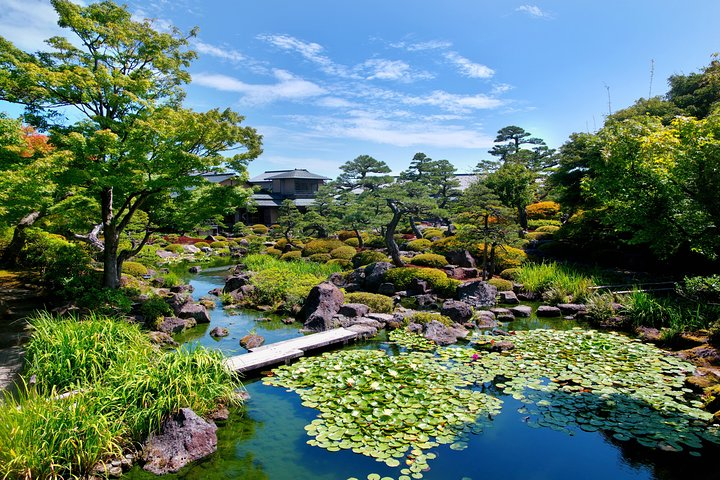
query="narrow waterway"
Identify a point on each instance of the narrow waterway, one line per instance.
(267, 440)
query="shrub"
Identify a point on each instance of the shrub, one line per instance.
(318, 257)
(424, 318)
(538, 235)
(543, 210)
(700, 289)
(219, 245)
(377, 303)
(600, 306)
(171, 280)
(273, 251)
(221, 238)
(63, 266)
(106, 301)
(375, 241)
(548, 229)
(134, 268)
(147, 256)
(353, 242)
(437, 279)
(432, 233)
(291, 256)
(501, 284)
(344, 264)
(348, 234)
(367, 257)
(429, 260)
(509, 273)
(323, 245)
(533, 224)
(259, 229)
(154, 308)
(202, 244)
(175, 248)
(508, 257)
(420, 245)
(446, 245)
(345, 252)
(543, 277)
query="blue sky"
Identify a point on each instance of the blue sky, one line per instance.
(326, 81)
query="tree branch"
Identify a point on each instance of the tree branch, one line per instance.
(92, 237)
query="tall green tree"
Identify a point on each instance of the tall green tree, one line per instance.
(364, 173)
(135, 141)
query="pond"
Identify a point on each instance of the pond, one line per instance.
(269, 439)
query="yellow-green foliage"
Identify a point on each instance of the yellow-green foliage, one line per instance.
(538, 235)
(533, 224)
(345, 253)
(319, 257)
(419, 245)
(175, 248)
(548, 228)
(281, 243)
(561, 280)
(344, 264)
(348, 234)
(508, 257)
(377, 303)
(509, 273)
(543, 210)
(296, 255)
(202, 244)
(437, 279)
(367, 257)
(353, 242)
(375, 241)
(501, 284)
(220, 244)
(446, 245)
(273, 251)
(424, 318)
(222, 238)
(135, 269)
(321, 245)
(429, 260)
(259, 229)
(432, 233)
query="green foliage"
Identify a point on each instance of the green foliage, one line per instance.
(600, 306)
(345, 253)
(344, 264)
(543, 211)
(135, 269)
(153, 308)
(259, 229)
(447, 245)
(419, 245)
(700, 289)
(367, 257)
(175, 248)
(538, 235)
(424, 318)
(147, 256)
(318, 257)
(63, 265)
(105, 301)
(501, 284)
(375, 241)
(219, 244)
(295, 255)
(273, 251)
(429, 260)
(377, 303)
(321, 246)
(563, 281)
(437, 279)
(202, 244)
(353, 242)
(171, 279)
(535, 224)
(348, 234)
(431, 233)
(646, 309)
(547, 228)
(510, 273)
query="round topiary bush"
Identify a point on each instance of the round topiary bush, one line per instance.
(220, 244)
(375, 241)
(419, 245)
(273, 251)
(446, 245)
(259, 229)
(346, 253)
(437, 279)
(202, 244)
(353, 242)
(533, 224)
(377, 303)
(501, 284)
(221, 238)
(548, 228)
(344, 264)
(346, 234)
(509, 273)
(431, 233)
(322, 245)
(429, 260)
(538, 236)
(296, 255)
(320, 257)
(367, 257)
(543, 210)
(136, 269)
(424, 318)
(175, 248)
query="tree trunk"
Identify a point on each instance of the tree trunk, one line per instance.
(492, 261)
(415, 229)
(111, 272)
(485, 251)
(361, 244)
(11, 255)
(522, 217)
(392, 246)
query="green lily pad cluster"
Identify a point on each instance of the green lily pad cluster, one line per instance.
(411, 341)
(391, 408)
(589, 380)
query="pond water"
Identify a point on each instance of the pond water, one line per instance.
(267, 440)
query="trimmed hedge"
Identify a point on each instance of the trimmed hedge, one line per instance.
(344, 264)
(432, 232)
(273, 251)
(377, 303)
(345, 253)
(220, 244)
(202, 244)
(321, 246)
(367, 257)
(543, 210)
(501, 284)
(260, 229)
(353, 242)
(437, 279)
(320, 257)
(510, 273)
(420, 245)
(135, 269)
(291, 256)
(548, 228)
(429, 260)
(426, 317)
(175, 248)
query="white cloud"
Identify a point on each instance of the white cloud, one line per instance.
(27, 23)
(467, 67)
(453, 102)
(288, 87)
(335, 102)
(420, 46)
(311, 51)
(225, 53)
(398, 70)
(533, 11)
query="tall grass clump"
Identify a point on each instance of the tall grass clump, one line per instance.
(259, 262)
(557, 280)
(646, 309)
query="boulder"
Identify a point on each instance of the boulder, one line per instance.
(235, 282)
(571, 308)
(375, 274)
(165, 254)
(197, 312)
(337, 279)
(363, 331)
(418, 287)
(251, 341)
(383, 318)
(172, 325)
(354, 310)
(648, 334)
(508, 298)
(162, 339)
(477, 294)
(502, 346)
(548, 311)
(194, 269)
(486, 319)
(387, 289)
(322, 303)
(427, 301)
(528, 296)
(521, 311)
(458, 311)
(442, 334)
(503, 314)
(357, 276)
(184, 288)
(218, 332)
(461, 258)
(183, 438)
(462, 273)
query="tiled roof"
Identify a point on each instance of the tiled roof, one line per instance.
(299, 173)
(274, 200)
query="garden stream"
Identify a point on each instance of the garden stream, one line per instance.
(534, 434)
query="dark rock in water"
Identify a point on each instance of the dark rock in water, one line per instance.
(354, 310)
(235, 282)
(571, 308)
(647, 334)
(192, 310)
(171, 325)
(442, 334)
(503, 314)
(177, 301)
(158, 282)
(363, 331)
(486, 319)
(288, 320)
(548, 311)
(375, 274)
(322, 303)
(162, 339)
(457, 311)
(219, 415)
(461, 258)
(508, 298)
(502, 346)
(219, 332)
(528, 296)
(252, 341)
(521, 311)
(216, 291)
(194, 269)
(418, 287)
(183, 438)
(386, 288)
(702, 355)
(182, 289)
(477, 293)
(616, 322)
